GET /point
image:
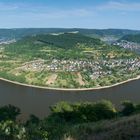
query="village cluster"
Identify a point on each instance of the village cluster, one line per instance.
(127, 45)
(95, 69)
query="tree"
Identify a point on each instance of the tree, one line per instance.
(35, 130)
(12, 131)
(61, 107)
(104, 110)
(32, 120)
(128, 108)
(9, 113)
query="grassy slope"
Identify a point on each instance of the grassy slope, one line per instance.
(126, 128)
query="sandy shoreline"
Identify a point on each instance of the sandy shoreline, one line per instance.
(69, 89)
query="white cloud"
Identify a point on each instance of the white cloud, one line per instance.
(132, 6)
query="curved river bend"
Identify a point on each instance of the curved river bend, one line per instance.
(32, 100)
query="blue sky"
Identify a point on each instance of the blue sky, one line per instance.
(70, 13)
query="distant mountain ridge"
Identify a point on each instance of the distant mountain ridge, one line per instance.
(21, 32)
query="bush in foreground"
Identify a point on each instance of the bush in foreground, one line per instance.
(93, 120)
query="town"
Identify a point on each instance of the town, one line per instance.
(128, 45)
(95, 69)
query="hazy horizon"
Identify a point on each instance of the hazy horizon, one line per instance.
(69, 28)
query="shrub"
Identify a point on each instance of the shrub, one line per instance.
(104, 110)
(9, 113)
(137, 108)
(61, 107)
(35, 130)
(82, 112)
(128, 108)
(11, 131)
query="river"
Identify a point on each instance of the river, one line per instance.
(33, 100)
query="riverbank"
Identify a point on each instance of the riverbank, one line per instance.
(71, 89)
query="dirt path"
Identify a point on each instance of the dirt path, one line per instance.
(80, 79)
(51, 79)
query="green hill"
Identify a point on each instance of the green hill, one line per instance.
(54, 46)
(63, 40)
(66, 60)
(132, 38)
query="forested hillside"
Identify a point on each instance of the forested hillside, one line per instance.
(132, 38)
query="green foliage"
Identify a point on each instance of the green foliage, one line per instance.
(128, 108)
(65, 120)
(34, 129)
(104, 110)
(11, 131)
(12, 77)
(63, 41)
(35, 132)
(83, 112)
(61, 107)
(132, 38)
(125, 128)
(137, 108)
(9, 113)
